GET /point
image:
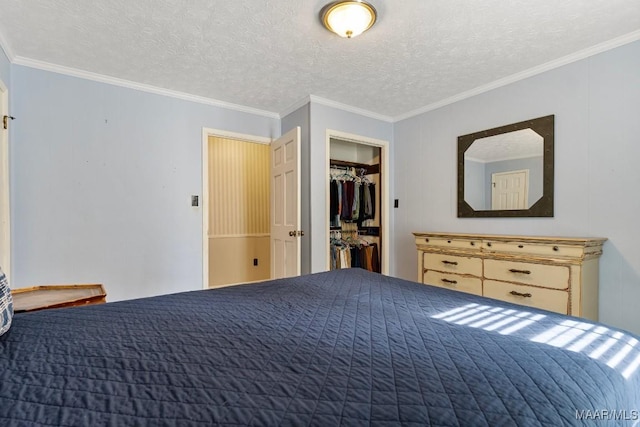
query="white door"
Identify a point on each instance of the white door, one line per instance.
(5, 245)
(510, 190)
(285, 205)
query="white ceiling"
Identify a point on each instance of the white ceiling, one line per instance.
(271, 54)
(519, 144)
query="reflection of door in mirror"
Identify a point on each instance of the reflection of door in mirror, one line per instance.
(500, 154)
(509, 190)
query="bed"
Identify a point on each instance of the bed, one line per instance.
(346, 347)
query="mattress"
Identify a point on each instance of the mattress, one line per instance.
(346, 347)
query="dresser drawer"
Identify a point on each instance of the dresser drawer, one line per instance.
(453, 264)
(549, 276)
(471, 285)
(546, 299)
(451, 243)
(530, 248)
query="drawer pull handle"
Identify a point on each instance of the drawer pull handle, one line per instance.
(489, 244)
(450, 262)
(513, 270)
(453, 282)
(555, 248)
(519, 294)
(426, 240)
(521, 246)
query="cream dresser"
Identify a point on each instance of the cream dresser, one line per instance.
(553, 273)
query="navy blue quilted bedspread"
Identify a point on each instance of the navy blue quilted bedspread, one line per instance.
(342, 348)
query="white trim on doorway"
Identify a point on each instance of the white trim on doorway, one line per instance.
(5, 202)
(206, 133)
(384, 193)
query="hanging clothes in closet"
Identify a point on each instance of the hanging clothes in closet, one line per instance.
(352, 198)
(353, 252)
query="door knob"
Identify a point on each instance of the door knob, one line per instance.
(292, 233)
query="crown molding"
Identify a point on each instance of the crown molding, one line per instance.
(349, 108)
(557, 63)
(577, 56)
(333, 104)
(4, 45)
(87, 75)
(295, 106)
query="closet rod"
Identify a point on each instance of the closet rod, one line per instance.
(369, 169)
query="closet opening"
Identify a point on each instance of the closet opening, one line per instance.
(357, 201)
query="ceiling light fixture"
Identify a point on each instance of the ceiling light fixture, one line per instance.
(348, 18)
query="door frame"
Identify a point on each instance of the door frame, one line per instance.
(384, 193)
(204, 203)
(5, 208)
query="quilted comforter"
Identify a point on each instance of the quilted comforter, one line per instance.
(346, 347)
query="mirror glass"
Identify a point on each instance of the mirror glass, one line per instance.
(507, 171)
(504, 171)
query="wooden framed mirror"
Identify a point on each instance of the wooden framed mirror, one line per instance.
(507, 171)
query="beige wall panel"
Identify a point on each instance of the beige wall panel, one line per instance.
(231, 260)
(239, 187)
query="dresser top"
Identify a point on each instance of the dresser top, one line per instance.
(581, 241)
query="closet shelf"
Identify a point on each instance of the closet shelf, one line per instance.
(369, 169)
(363, 231)
(369, 231)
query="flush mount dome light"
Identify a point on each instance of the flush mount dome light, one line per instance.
(348, 18)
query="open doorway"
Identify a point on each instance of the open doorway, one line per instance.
(365, 160)
(236, 203)
(251, 207)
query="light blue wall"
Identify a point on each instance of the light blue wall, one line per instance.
(101, 184)
(475, 183)
(300, 117)
(596, 102)
(323, 117)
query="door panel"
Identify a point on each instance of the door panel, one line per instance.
(509, 190)
(278, 186)
(285, 200)
(290, 195)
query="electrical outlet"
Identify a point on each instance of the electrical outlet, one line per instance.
(395, 203)
(255, 261)
(194, 201)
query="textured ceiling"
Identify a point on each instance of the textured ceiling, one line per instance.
(518, 144)
(272, 54)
